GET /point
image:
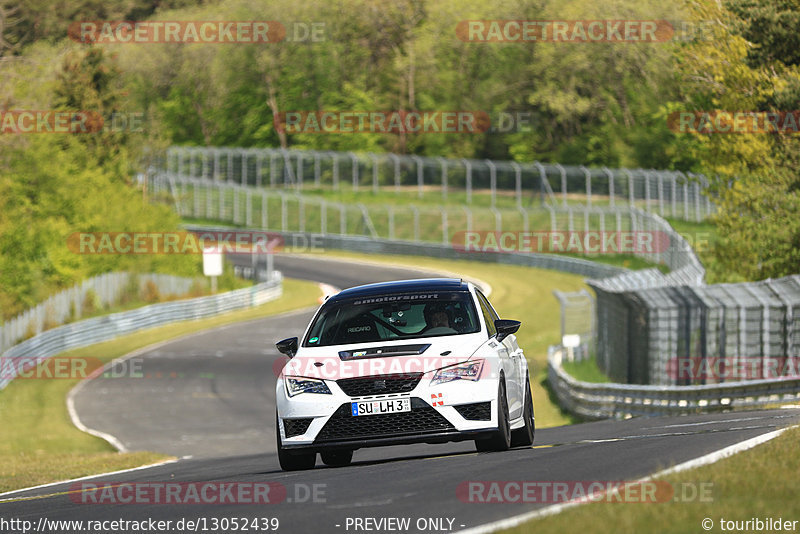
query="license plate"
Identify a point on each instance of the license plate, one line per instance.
(381, 406)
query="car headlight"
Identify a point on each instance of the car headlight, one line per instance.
(296, 385)
(461, 371)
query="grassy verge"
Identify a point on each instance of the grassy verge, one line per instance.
(40, 444)
(586, 370)
(757, 483)
(521, 293)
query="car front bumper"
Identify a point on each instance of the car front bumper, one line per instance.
(453, 411)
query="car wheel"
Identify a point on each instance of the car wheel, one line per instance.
(293, 461)
(524, 436)
(501, 440)
(337, 458)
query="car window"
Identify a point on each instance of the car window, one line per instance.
(489, 315)
(393, 316)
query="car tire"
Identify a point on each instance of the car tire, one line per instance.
(501, 439)
(524, 436)
(337, 458)
(293, 461)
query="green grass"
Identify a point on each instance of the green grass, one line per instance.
(758, 483)
(39, 443)
(586, 370)
(401, 224)
(521, 293)
(704, 237)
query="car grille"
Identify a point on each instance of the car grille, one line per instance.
(477, 411)
(420, 420)
(380, 384)
(295, 427)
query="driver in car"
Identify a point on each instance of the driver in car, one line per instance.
(438, 319)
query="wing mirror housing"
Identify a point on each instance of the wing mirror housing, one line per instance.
(288, 346)
(506, 327)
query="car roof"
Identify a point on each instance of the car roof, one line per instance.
(402, 286)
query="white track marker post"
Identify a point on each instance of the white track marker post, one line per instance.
(212, 265)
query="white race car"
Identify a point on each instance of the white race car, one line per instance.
(412, 361)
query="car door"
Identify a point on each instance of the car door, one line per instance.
(509, 354)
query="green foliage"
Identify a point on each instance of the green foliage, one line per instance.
(588, 103)
(54, 185)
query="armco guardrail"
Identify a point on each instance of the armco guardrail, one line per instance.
(98, 329)
(68, 304)
(435, 250)
(612, 400)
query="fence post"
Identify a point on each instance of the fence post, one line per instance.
(611, 193)
(235, 204)
(443, 163)
(301, 213)
(354, 163)
(374, 159)
(517, 183)
(686, 200)
(180, 162)
(396, 160)
(248, 214)
(631, 202)
(273, 169)
(284, 214)
(196, 199)
(299, 172)
(222, 194)
(563, 173)
(526, 226)
(674, 195)
(588, 176)
(445, 231)
(264, 213)
(420, 174)
(498, 220)
(243, 157)
(468, 169)
(335, 160)
(492, 181)
(317, 170)
(468, 213)
(415, 211)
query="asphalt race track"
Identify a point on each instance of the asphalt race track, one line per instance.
(210, 397)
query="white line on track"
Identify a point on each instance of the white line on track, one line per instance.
(710, 458)
(89, 477)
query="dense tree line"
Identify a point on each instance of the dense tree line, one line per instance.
(603, 103)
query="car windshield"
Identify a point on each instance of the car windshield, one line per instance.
(393, 316)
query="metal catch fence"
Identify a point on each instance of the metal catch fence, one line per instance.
(668, 193)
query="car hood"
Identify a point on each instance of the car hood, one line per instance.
(408, 356)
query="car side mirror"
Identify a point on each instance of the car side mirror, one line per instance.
(506, 327)
(287, 346)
